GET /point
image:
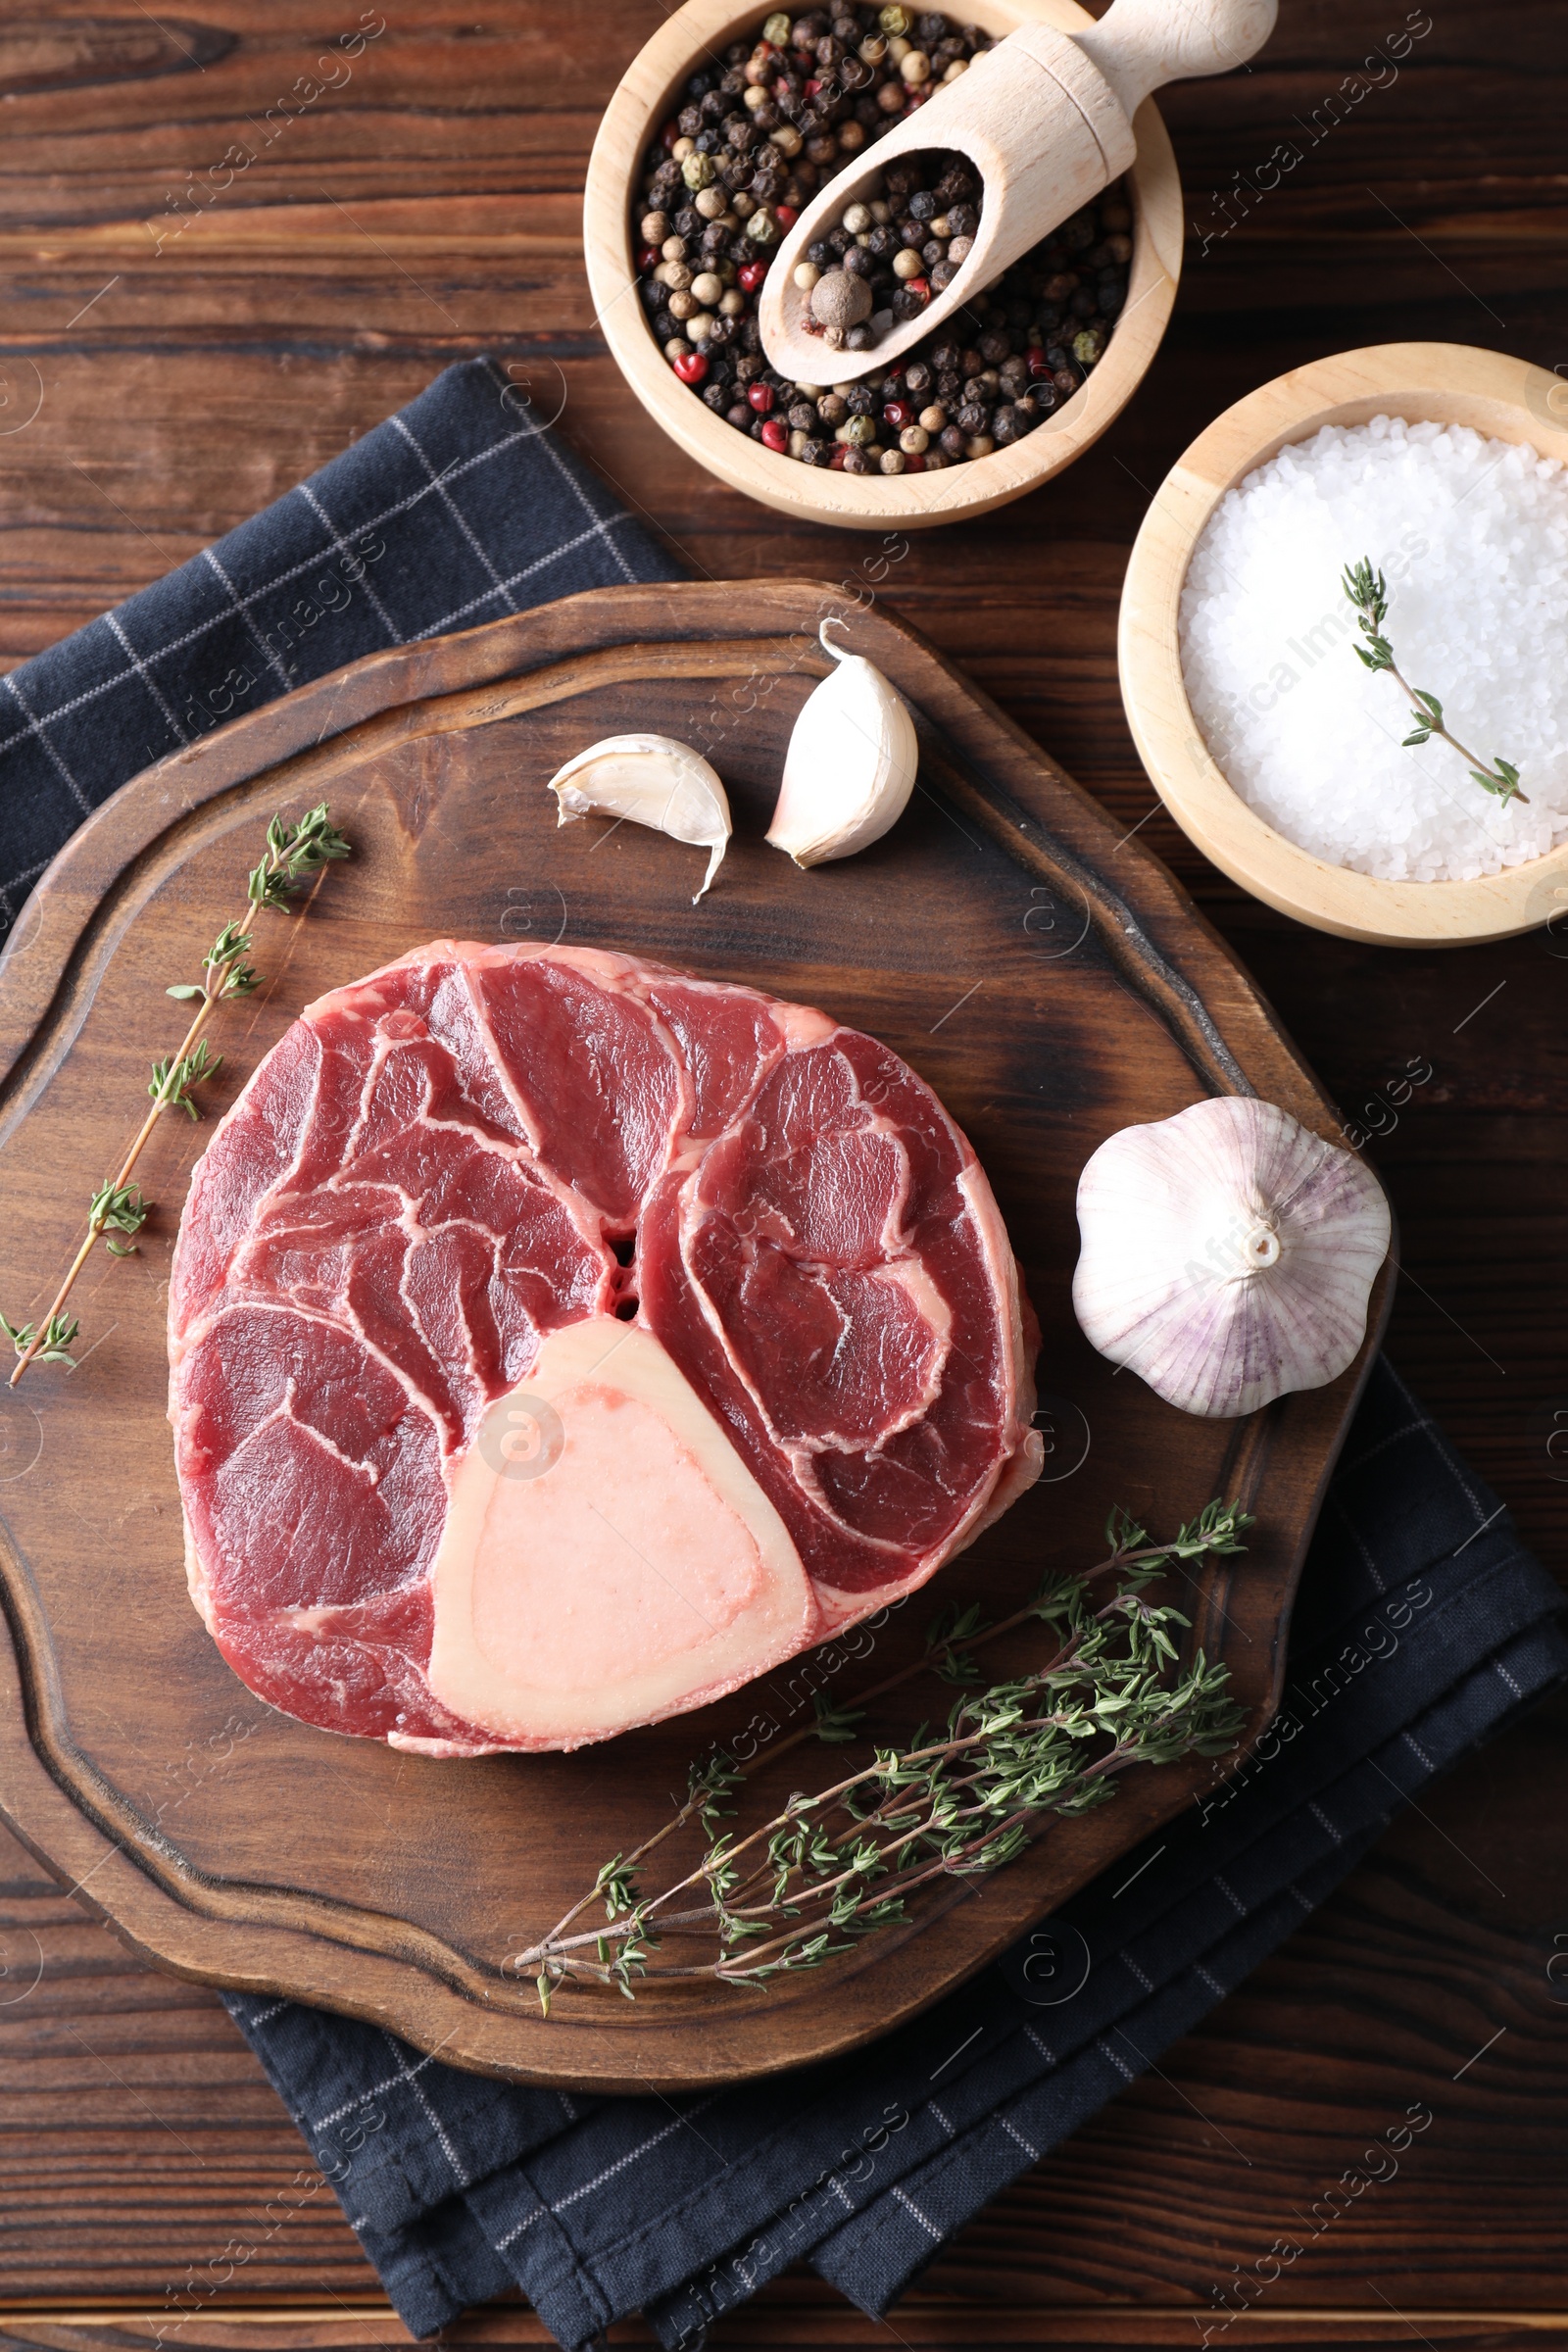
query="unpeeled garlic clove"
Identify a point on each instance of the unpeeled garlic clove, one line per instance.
(650, 781)
(849, 767)
(1228, 1254)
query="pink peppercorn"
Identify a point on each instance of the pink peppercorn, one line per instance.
(691, 367)
(750, 275)
(761, 397)
(777, 433)
(897, 414)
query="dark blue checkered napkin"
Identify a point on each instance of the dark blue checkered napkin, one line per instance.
(1422, 1626)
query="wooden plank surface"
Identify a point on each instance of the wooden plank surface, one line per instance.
(429, 209)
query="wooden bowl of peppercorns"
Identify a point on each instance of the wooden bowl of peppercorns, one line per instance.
(727, 122)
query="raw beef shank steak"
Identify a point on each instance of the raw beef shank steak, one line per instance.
(557, 1342)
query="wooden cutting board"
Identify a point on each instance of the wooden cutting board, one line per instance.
(1050, 980)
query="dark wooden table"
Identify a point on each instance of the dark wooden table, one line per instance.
(429, 209)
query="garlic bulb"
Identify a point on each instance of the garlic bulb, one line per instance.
(849, 767)
(651, 780)
(1228, 1254)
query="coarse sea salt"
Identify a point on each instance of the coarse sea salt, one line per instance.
(1472, 537)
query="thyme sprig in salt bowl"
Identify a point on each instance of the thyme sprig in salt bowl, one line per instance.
(1368, 592)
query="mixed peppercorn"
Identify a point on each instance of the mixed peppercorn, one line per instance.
(883, 260)
(759, 134)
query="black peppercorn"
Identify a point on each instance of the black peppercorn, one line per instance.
(814, 452)
(948, 385)
(856, 461)
(716, 396)
(801, 417)
(918, 377)
(860, 262)
(860, 400)
(740, 415)
(689, 122)
(859, 338)
(1004, 424)
(952, 440)
(972, 418)
(923, 205)
(996, 345)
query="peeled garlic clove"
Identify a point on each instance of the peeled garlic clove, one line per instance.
(849, 767)
(1228, 1254)
(650, 781)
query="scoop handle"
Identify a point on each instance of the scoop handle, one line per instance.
(1139, 45)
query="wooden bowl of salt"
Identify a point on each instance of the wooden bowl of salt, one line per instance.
(1503, 400)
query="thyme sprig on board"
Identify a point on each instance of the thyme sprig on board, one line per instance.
(293, 855)
(1368, 592)
(962, 1799)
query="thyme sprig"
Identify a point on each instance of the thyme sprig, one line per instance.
(52, 1344)
(294, 854)
(962, 1800)
(1368, 592)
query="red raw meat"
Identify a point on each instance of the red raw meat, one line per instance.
(559, 1341)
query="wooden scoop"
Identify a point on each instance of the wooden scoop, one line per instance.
(1045, 119)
